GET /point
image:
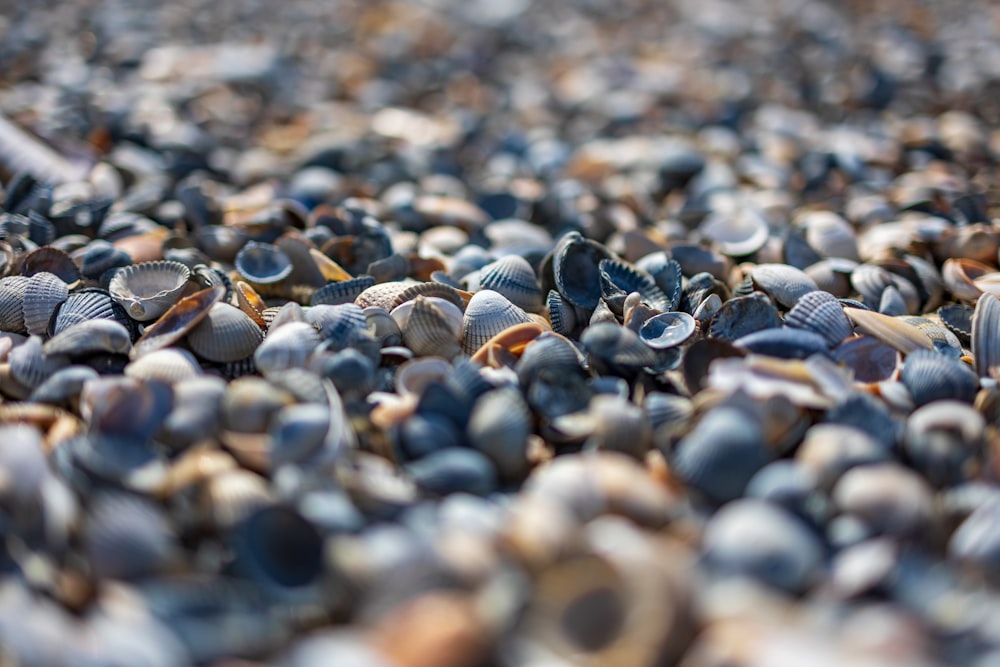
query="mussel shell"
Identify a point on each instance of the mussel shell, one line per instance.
(177, 322)
(148, 289)
(42, 295)
(225, 334)
(262, 263)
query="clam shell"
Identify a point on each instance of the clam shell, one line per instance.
(831, 235)
(562, 315)
(868, 358)
(744, 315)
(617, 274)
(63, 385)
(149, 289)
(89, 304)
(287, 347)
(97, 258)
(262, 263)
(168, 365)
(931, 376)
(487, 314)
(785, 284)
(30, 366)
(986, 336)
(12, 289)
(667, 330)
(430, 329)
(232, 496)
(382, 295)
(429, 289)
(549, 354)
(513, 277)
(52, 260)
(960, 276)
(346, 291)
(833, 275)
(612, 347)
(340, 325)
(499, 427)
(895, 332)
(575, 269)
(180, 319)
(821, 313)
(944, 341)
(90, 337)
(225, 334)
(42, 295)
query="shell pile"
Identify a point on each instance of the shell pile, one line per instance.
(468, 334)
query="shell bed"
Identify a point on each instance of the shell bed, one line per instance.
(499, 334)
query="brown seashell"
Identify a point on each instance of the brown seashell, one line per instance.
(960, 276)
(51, 260)
(146, 247)
(225, 334)
(891, 330)
(505, 348)
(250, 303)
(979, 242)
(383, 295)
(329, 269)
(178, 321)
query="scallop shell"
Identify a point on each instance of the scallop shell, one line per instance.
(931, 376)
(262, 263)
(785, 284)
(487, 314)
(431, 330)
(30, 366)
(42, 295)
(168, 365)
(383, 295)
(89, 304)
(225, 334)
(12, 289)
(821, 313)
(339, 325)
(149, 289)
(346, 291)
(90, 337)
(289, 346)
(513, 277)
(667, 330)
(182, 317)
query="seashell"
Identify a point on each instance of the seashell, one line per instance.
(196, 412)
(250, 302)
(943, 439)
(548, 354)
(49, 259)
(90, 337)
(287, 347)
(279, 549)
(382, 295)
(975, 542)
(562, 315)
(488, 314)
(830, 235)
(42, 295)
(304, 269)
(979, 242)
(736, 233)
(957, 318)
(178, 321)
(833, 275)
(352, 373)
(667, 275)
(513, 277)
(961, 276)
(783, 283)
(233, 495)
(454, 470)
(986, 335)
(892, 302)
(219, 242)
(340, 326)
(298, 435)
(821, 313)
(868, 358)
(169, 365)
(63, 385)
(790, 485)
(694, 259)
(889, 498)
(346, 291)
(225, 334)
(430, 329)
(721, 454)
(205, 277)
(575, 270)
(503, 349)
(126, 537)
(616, 274)
(262, 263)
(667, 330)
(12, 290)
(829, 450)
(757, 538)
(616, 350)
(783, 343)
(944, 341)
(414, 375)
(30, 366)
(931, 376)
(382, 326)
(89, 304)
(895, 332)
(499, 426)
(610, 422)
(149, 289)
(743, 315)
(437, 290)
(279, 317)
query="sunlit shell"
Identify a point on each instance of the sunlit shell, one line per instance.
(868, 358)
(667, 330)
(289, 346)
(86, 305)
(487, 314)
(575, 269)
(149, 289)
(182, 317)
(42, 295)
(744, 315)
(830, 235)
(895, 332)
(414, 375)
(785, 284)
(960, 276)
(431, 329)
(89, 337)
(931, 376)
(12, 289)
(225, 334)
(340, 325)
(562, 315)
(262, 263)
(513, 277)
(383, 295)
(166, 365)
(821, 313)
(250, 302)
